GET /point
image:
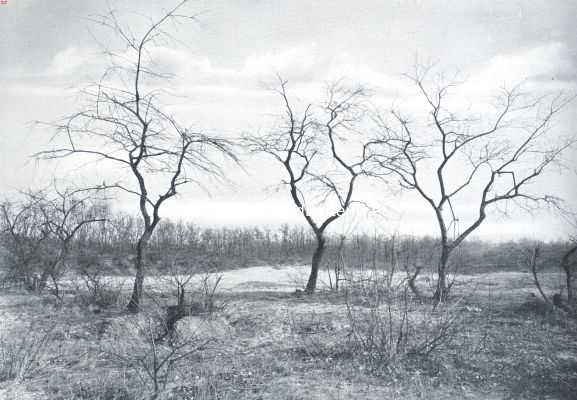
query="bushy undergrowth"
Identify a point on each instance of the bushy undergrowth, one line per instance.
(378, 323)
(98, 388)
(95, 290)
(26, 355)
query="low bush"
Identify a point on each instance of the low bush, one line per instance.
(24, 356)
(95, 290)
(134, 345)
(390, 326)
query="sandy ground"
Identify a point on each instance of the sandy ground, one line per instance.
(261, 325)
(290, 278)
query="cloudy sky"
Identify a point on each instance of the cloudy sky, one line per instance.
(224, 61)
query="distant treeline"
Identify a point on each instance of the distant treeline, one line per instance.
(111, 243)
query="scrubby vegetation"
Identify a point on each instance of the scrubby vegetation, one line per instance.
(97, 304)
(210, 329)
(369, 339)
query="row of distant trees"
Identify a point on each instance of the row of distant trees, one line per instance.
(49, 233)
(230, 248)
(448, 154)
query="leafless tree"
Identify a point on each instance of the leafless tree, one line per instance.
(309, 146)
(43, 229)
(24, 231)
(65, 213)
(531, 258)
(457, 157)
(125, 125)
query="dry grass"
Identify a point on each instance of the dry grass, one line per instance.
(278, 345)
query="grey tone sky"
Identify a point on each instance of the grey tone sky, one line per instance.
(47, 49)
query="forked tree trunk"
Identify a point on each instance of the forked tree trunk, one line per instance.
(137, 289)
(316, 263)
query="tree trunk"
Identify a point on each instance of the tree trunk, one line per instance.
(566, 265)
(180, 293)
(316, 263)
(412, 282)
(56, 291)
(569, 287)
(134, 304)
(442, 291)
(534, 257)
(41, 283)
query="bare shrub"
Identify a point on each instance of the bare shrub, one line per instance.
(195, 287)
(25, 357)
(207, 294)
(98, 291)
(378, 325)
(134, 346)
(389, 326)
(203, 299)
(365, 286)
(179, 276)
(336, 267)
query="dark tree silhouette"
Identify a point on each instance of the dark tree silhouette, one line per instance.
(309, 147)
(41, 228)
(456, 157)
(126, 125)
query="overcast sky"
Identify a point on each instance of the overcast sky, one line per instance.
(48, 49)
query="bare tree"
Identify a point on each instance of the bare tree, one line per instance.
(24, 231)
(456, 157)
(531, 258)
(308, 145)
(125, 125)
(65, 213)
(42, 230)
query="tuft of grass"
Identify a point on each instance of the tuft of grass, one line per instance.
(26, 356)
(97, 389)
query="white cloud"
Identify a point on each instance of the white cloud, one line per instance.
(71, 60)
(546, 66)
(545, 69)
(305, 66)
(37, 90)
(301, 61)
